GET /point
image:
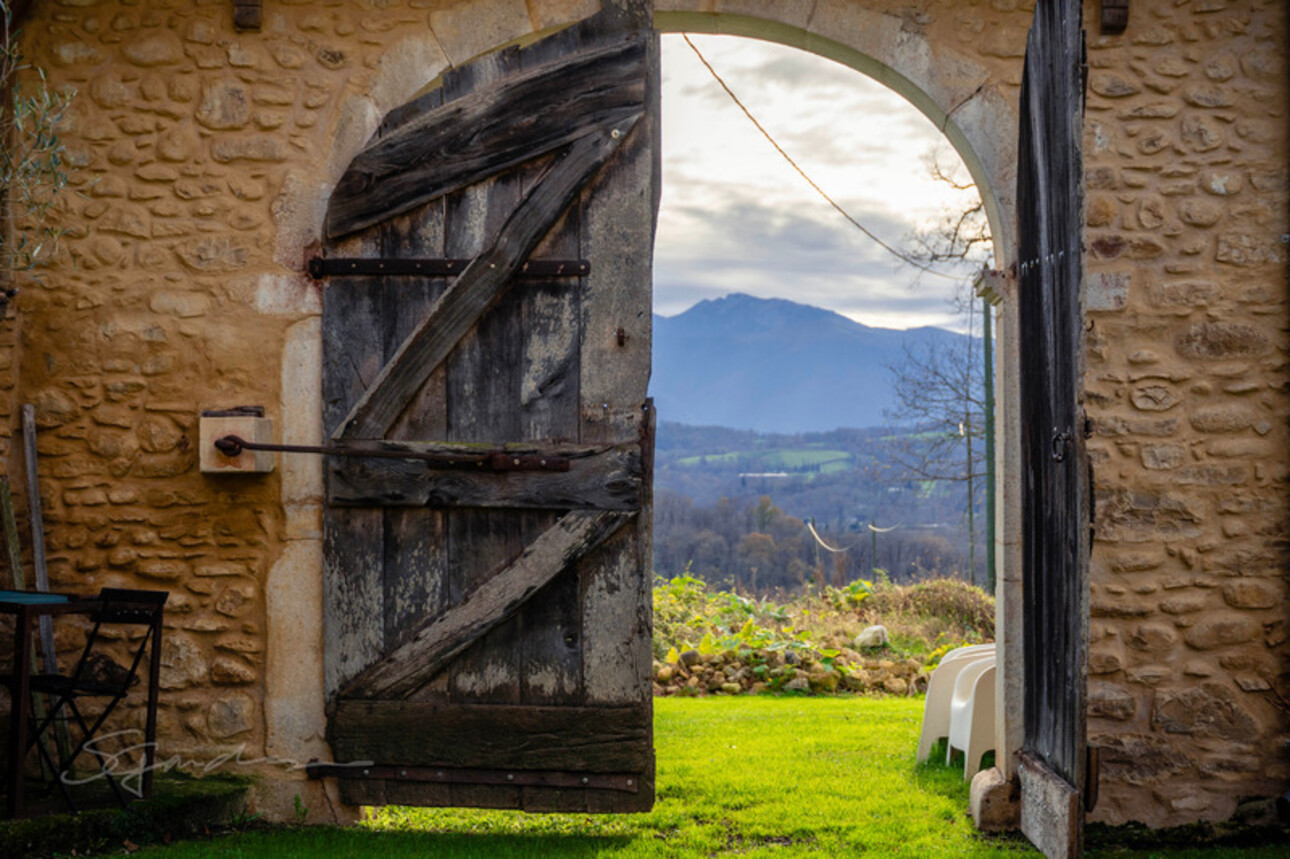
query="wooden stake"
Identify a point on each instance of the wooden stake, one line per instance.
(49, 656)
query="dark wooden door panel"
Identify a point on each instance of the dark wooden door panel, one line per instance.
(497, 609)
(1049, 201)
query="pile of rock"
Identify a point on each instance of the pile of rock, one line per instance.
(805, 671)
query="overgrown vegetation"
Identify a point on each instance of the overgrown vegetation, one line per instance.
(710, 641)
(33, 170)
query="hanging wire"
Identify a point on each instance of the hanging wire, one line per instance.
(841, 211)
(810, 526)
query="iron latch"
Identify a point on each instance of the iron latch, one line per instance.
(495, 460)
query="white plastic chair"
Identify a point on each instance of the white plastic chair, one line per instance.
(972, 716)
(940, 689)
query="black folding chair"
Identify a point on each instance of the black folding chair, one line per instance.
(97, 675)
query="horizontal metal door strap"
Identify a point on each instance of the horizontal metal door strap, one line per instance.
(627, 782)
(496, 460)
(320, 267)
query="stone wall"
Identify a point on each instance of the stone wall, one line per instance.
(1186, 159)
(204, 158)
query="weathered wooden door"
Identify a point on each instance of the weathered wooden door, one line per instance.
(487, 309)
(1054, 489)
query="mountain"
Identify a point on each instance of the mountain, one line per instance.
(777, 366)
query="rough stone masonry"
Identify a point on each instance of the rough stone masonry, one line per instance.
(203, 158)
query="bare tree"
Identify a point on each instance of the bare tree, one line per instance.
(962, 232)
(939, 385)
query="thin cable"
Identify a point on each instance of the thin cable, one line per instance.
(877, 530)
(841, 211)
(823, 545)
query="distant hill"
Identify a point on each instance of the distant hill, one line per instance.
(776, 366)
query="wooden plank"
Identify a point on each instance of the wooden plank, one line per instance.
(517, 119)
(415, 540)
(45, 624)
(618, 802)
(353, 540)
(482, 736)
(476, 290)
(405, 669)
(600, 478)
(618, 241)
(616, 622)
(1055, 533)
(549, 652)
(1051, 813)
(49, 656)
(480, 384)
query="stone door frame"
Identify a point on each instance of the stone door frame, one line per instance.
(955, 91)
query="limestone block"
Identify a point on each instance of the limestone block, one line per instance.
(1221, 341)
(1152, 638)
(1109, 701)
(1209, 710)
(1251, 593)
(231, 715)
(247, 427)
(995, 801)
(230, 672)
(1106, 291)
(225, 105)
(1102, 661)
(467, 30)
(182, 662)
(1223, 418)
(1154, 398)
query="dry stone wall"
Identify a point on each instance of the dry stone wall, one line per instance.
(1186, 157)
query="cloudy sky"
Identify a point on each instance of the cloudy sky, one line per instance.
(735, 217)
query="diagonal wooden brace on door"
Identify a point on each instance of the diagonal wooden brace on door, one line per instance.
(520, 118)
(479, 286)
(409, 667)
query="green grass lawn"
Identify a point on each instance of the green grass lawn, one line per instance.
(737, 776)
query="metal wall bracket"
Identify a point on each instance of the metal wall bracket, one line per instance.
(1115, 16)
(247, 14)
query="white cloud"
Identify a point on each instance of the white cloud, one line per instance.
(736, 217)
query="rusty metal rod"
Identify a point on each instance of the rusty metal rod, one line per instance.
(498, 460)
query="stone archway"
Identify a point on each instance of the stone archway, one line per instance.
(959, 69)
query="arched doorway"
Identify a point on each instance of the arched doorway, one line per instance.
(955, 90)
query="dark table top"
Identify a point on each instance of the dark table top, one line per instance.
(33, 598)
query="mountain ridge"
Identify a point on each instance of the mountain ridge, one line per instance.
(775, 365)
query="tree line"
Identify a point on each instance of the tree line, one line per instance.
(756, 546)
